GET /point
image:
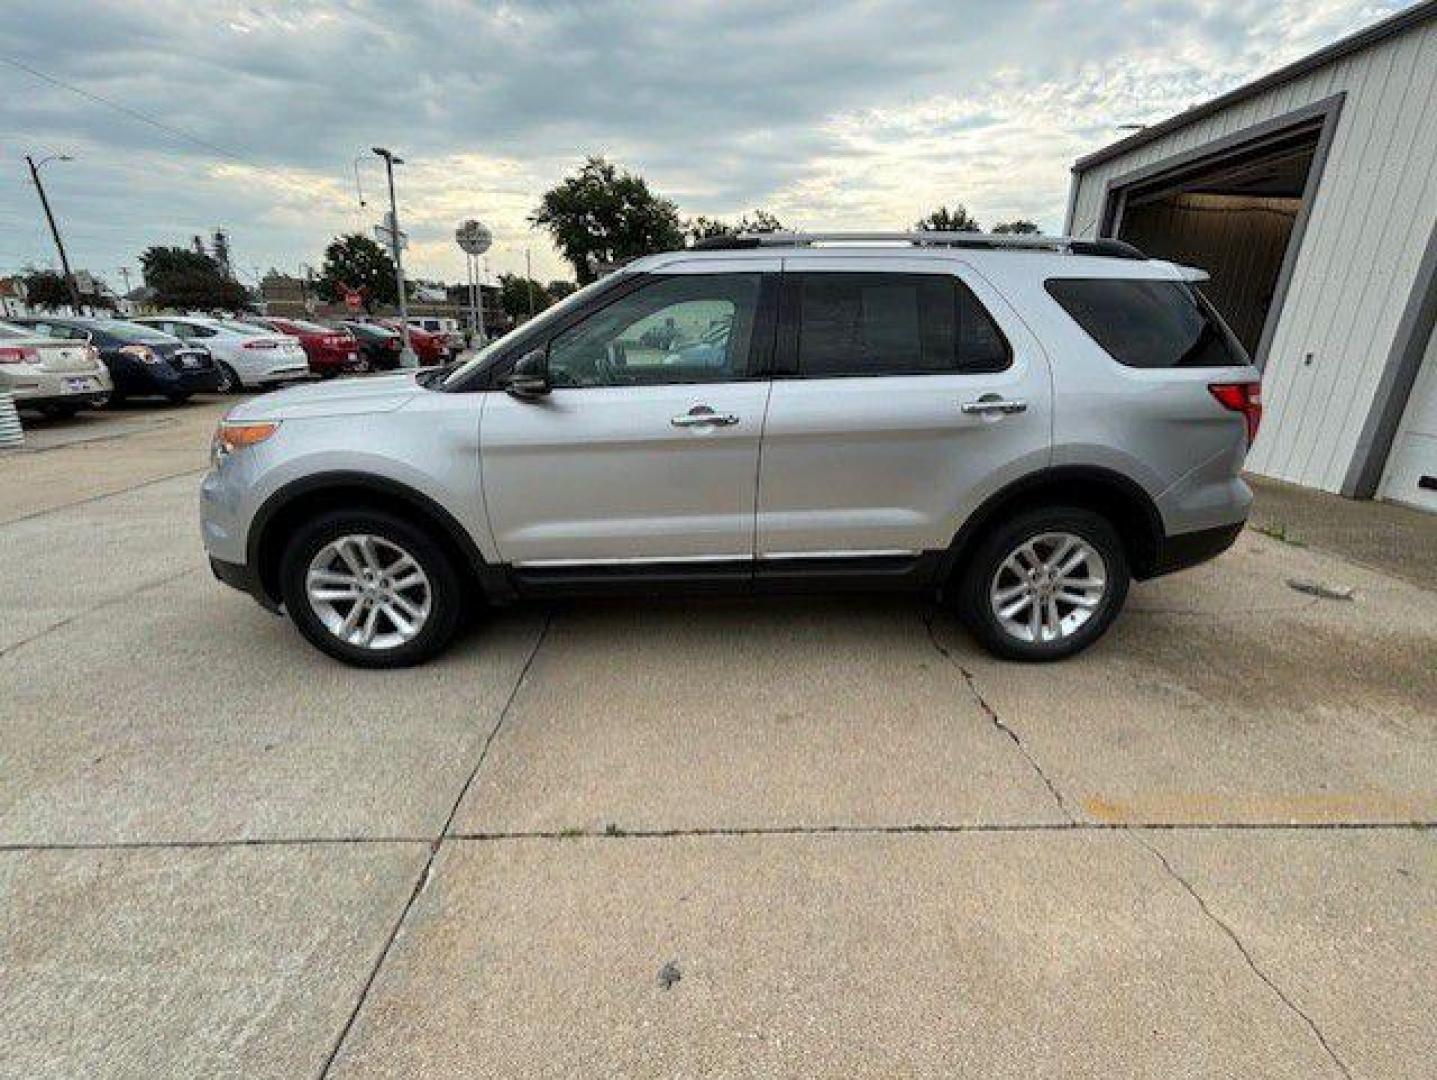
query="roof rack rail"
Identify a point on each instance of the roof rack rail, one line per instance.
(1073, 245)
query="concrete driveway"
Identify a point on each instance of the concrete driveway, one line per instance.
(818, 837)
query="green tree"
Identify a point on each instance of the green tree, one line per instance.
(1020, 227)
(601, 216)
(701, 228)
(46, 289)
(560, 288)
(514, 291)
(188, 279)
(945, 220)
(358, 262)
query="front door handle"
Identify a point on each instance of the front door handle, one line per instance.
(994, 406)
(704, 416)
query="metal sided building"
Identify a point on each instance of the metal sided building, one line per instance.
(1310, 196)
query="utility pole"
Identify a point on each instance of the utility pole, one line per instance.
(54, 229)
(125, 277)
(409, 358)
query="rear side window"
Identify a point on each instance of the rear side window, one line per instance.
(893, 324)
(1149, 324)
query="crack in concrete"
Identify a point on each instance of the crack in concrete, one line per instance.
(102, 496)
(426, 873)
(614, 831)
(1247, 957)
(71, 619)
(998, 722)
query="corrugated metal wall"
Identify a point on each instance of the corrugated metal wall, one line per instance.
(1375, 208)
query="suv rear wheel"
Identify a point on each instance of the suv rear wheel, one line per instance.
(370, 589)
(1045, 584)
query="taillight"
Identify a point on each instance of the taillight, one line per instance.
(142, 353)
(18, 354)
(1241, 397)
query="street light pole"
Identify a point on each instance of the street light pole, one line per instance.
(410, 359)
(54, 229)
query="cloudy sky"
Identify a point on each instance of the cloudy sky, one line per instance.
(838, 114)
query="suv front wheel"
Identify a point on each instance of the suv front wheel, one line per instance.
(1045, 584)
(370, 589)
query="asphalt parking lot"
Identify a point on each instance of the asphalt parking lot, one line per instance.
(807, 837)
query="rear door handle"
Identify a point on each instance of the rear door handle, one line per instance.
(704, 416)
(995, 405)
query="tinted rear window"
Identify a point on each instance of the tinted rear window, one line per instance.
(1149, 324)
(128, 331)
(894, 324)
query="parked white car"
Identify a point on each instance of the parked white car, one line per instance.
(247, 355)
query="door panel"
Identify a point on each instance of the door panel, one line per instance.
(871, 464)
(646, 449)
(604, 474)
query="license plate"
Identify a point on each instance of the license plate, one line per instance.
(79, 386)
(353, 357)
(190, 361)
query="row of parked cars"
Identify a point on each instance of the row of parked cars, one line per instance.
(61, 364)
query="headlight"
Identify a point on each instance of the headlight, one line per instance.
(230, 437)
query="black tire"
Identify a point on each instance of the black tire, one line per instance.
(446, 599)
(976, 578)
(229, 382)
(60, 412)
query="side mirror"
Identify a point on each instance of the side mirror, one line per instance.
(529, 379)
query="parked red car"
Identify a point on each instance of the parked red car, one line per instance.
(330, 350)
(430, 348)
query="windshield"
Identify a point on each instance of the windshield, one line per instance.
(8, 331)
(534, 326)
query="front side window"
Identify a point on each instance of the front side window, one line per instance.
(1148, 323)
(686, 329)
(893, 324)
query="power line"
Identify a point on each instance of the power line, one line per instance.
(135, 114)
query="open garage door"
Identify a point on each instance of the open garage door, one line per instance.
(1236, 213)
(1411, 473)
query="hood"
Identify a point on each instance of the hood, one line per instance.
(340, 397)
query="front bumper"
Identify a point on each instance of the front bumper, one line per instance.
(241, 577)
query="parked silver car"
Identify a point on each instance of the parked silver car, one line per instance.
(1020, 425)
(57, 377)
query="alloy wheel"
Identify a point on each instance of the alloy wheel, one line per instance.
(368, 591)
(1048, 587)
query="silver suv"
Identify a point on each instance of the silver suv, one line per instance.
(1018, 425)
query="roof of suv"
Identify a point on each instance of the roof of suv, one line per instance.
(1043, 256)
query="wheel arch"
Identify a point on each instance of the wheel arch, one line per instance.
(1122, 501)
(278, 516)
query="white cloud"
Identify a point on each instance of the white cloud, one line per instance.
(847, 114)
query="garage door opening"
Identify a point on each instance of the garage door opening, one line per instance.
(1235, 215)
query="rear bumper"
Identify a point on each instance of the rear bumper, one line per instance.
(1182, 550)
(37, 387)
(241, 577)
